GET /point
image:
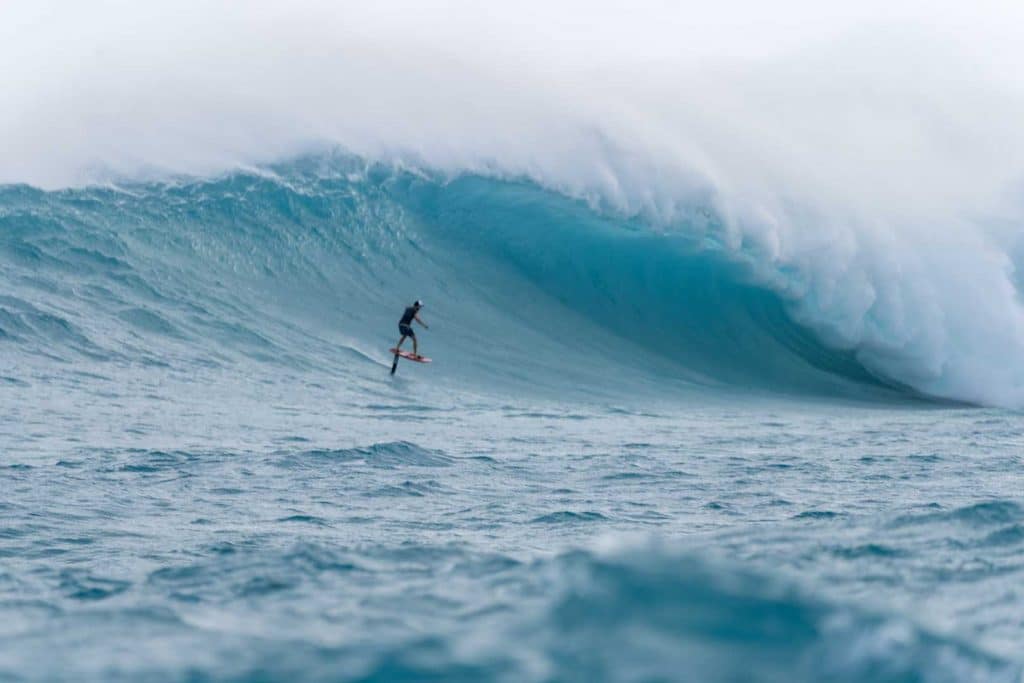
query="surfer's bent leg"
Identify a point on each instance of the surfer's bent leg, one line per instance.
(406, 331)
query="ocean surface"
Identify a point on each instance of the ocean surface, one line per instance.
(638, 455)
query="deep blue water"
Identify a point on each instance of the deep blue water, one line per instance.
(628, 461)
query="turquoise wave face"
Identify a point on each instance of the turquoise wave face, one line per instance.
(310, 264)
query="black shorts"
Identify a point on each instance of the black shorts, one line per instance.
(406, 330)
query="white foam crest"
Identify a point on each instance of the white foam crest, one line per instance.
(870, 157)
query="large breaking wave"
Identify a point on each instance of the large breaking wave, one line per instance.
(828, 205)
(307, 264)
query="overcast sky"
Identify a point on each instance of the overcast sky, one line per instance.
(199, 86)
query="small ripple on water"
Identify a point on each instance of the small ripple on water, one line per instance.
(568, 517)
(305, 519)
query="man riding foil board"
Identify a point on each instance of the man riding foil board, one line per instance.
(405, 327)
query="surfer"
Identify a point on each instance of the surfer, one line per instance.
(405, 326)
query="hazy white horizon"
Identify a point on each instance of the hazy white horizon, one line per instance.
(199, 87)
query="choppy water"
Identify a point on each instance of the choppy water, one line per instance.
(207, 474)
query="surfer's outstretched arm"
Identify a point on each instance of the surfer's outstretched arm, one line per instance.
(420, 321)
